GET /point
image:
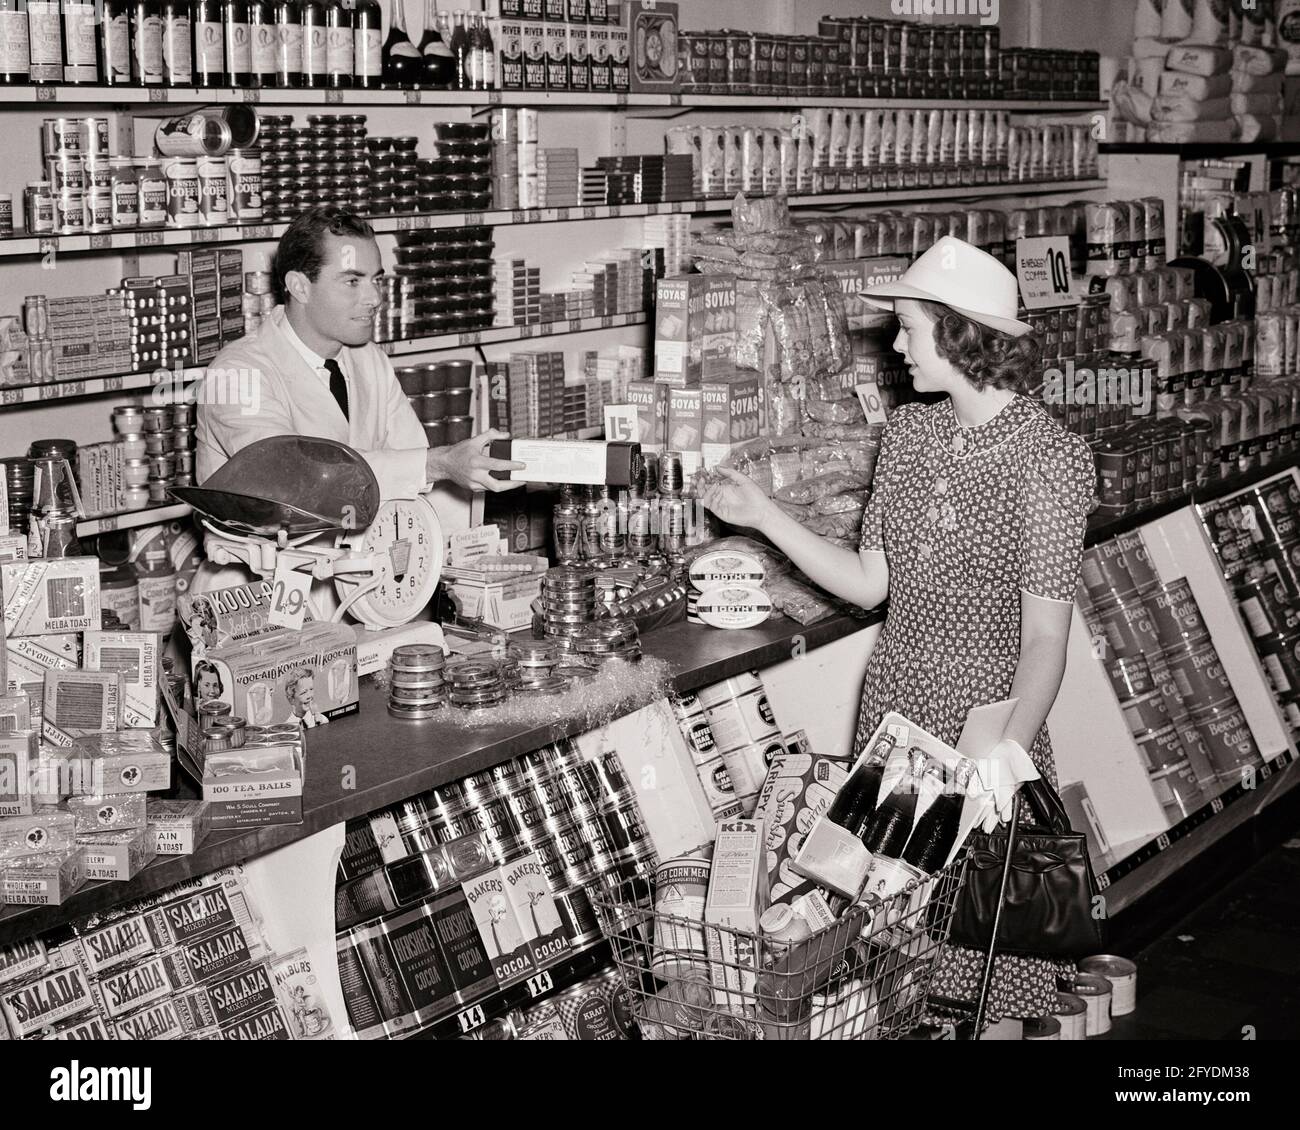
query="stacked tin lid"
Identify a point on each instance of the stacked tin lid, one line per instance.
(416, 688)
(476, 684)
(609, 639)
(20, 481)
(221, 729)
(537, 661)
(568, 601)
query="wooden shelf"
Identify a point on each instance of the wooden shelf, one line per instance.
(131, 519)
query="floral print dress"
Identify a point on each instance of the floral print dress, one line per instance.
(968, 518)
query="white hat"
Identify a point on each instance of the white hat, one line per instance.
(960, 276)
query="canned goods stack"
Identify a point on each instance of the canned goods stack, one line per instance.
(476, 683)
(719, 789)
(1048, 75)
(745, 734)
(416, 688)
(1167, 673)
(20, 482)
(1256, 536)
(443, 283)
(459, 177)
(568, 601)
(324, 162)
(440, 395)
(608, 639)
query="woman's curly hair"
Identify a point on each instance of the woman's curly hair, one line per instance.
(984, 356)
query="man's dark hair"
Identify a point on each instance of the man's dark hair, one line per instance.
(300, 247)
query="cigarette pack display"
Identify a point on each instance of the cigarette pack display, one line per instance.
(176, 827)
(124, 762)
(534, 904)
(736, 900)
(116, 855)
(110, 813)
(309, 676)
(135, 655)
(80, 702)
(799, 788)
(41, 880)
(47, 830)
(57, 595)
(498, 927)
(33, 1005)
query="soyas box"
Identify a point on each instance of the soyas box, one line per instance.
(695, 328)
(307, 676)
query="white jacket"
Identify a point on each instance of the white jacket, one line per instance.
(261, 386)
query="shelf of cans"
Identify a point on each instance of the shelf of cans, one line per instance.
(875, 58)
(1190, 732)
(576, 818)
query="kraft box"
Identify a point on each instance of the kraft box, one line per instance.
(59, 595)
(307, 676)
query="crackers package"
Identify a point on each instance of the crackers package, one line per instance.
(57, 595)
(80, 702)
(135, 656)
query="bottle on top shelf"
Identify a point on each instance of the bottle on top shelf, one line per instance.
(263, 42)
(438, 69)
(937, 827)
(481, 69)
(236, 44)
(288, 43)
(113, 32)
(15, 49)
(890, 826)
(314, 44)
(146, 42)
(460, 49)
(367, 40)
(400, 60)
(338, 44)
(45, 41)
(177, 43)
(209, 54)
(80, 47)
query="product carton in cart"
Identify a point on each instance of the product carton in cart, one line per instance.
(736, 900)
(838, 860)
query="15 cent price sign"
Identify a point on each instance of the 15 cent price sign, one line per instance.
(1043, 269)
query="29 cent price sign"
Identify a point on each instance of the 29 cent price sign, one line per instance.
(1043, 269)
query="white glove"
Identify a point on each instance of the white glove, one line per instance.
(1001, 772)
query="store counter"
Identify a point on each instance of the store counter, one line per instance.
(362, 763)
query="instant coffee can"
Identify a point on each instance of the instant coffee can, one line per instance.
(245, 172)
(214, 191)
(62, 137)
(1095, 993)
(182, 177)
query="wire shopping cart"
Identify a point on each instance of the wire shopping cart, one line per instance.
(864, 976)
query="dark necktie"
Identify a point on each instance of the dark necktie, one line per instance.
(338, 386)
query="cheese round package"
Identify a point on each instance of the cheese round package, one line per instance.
(734, 606)
(723, 566)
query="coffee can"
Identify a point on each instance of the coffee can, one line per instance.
(1122, 975)
(206, 133)
(70, 211)
(62, 137)
(214, 191)
(182, 177)
(244, 168)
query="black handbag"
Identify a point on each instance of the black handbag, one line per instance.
(1048, 908)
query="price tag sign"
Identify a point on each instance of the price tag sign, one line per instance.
(495, 98)
(1043, 268)
(99, 241)
(11, 396)
(543, 982)
(1216, 805)
(149, 239)
(473, 1017)
(621, 423)
(561, 214)
(872, 406)
(607, 321)
(616, 209)
(518, 217)
(258, 231)
(545, 328)
(114, 384)
(289, 590)
(252, 94)
(333, 97)
(473, 338)
(412, 97)
(589, 213)
(46, 94)
(473, 219)
(159, 94)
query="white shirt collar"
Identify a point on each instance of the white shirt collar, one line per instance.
(314, 360)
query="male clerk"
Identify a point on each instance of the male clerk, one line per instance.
(317, 373)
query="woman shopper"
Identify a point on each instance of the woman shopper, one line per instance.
(974, 531)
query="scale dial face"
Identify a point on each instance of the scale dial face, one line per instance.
(406, 538)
